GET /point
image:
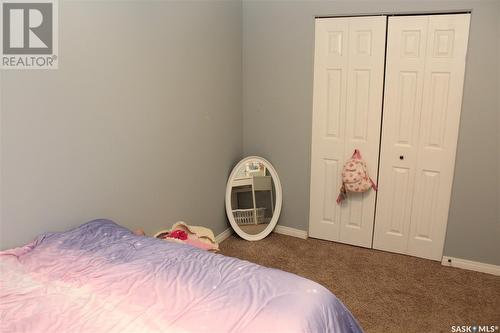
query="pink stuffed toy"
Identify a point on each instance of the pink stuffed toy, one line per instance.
(196, 236)
(178, 234)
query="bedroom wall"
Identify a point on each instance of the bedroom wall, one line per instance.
(141, 123)
(278, 45)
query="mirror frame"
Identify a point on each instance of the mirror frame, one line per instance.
(277, 207)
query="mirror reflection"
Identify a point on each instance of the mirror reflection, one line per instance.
(253, 197)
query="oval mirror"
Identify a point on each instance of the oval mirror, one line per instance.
(253, 198)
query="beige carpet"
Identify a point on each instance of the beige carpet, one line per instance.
(386, 292)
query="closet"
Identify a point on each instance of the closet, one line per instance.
(392, 88)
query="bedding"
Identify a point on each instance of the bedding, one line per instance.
(100, 277)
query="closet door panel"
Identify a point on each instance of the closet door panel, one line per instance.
(327, 155)
(406, 45)
(423, 94)
(442, 101)
(363, 117)
(348, 78)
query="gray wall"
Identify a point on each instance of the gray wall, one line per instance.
(278, 44)
(141, 123)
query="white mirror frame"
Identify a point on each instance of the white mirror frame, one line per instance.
(277, 208)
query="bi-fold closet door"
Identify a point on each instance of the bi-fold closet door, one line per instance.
(422, 103)
(348, 86)
(424, 71)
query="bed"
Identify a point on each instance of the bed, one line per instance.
(100, 277)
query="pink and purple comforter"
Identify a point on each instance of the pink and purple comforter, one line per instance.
(100, 277)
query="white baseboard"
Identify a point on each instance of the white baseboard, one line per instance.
(223, 235)
(471, 265)
(281, 229)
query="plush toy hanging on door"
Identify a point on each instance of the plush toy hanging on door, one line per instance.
(355, 177)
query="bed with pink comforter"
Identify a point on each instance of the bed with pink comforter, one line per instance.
(100, 277)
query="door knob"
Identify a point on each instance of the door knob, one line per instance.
(401, 157)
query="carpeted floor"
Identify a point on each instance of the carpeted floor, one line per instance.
(386, 292)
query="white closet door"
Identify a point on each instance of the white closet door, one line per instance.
(405, 65)
(423, 95)
(347, 103)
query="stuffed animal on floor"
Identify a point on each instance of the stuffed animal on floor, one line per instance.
(176, 234)
(196, 236)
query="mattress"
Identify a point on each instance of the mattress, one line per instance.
(100, 277)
